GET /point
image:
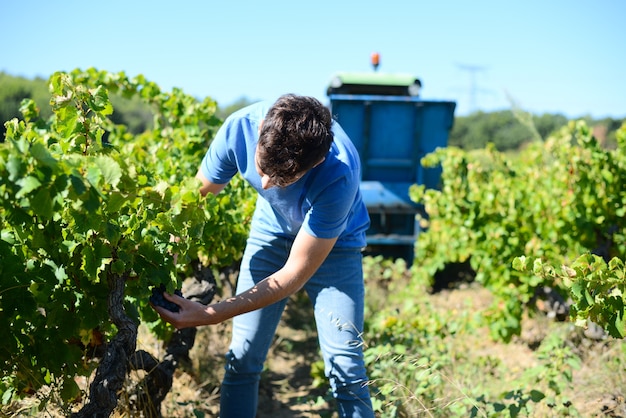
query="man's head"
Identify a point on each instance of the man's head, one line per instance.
(295, 136)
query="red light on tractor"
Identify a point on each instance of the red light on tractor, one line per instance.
(375, 59)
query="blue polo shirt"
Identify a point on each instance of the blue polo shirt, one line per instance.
(326, 201)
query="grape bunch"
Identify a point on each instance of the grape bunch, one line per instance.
(157, 298)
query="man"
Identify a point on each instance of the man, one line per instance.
(307, 232)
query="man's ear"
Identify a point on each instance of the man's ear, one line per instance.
(261, 126)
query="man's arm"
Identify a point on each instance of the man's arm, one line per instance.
(307, 255)
(208, 186)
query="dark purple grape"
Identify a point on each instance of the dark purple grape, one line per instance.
(157, 298)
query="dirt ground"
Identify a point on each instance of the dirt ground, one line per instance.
(287, 389)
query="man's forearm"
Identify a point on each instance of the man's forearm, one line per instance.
(265, 293)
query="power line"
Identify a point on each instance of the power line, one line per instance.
(473, 90)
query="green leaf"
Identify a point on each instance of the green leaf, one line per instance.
(100, 100)
(536, 395)
(615, 306)
(118, 267)
(94, 259)
(577, 290)
(92, 202)
(78, 184)
(162, 187)
(14, 167)
(28, 184)
(41, 154)
(70, 245)
(70, 390)
(519, 263)
(6, 396)
(48, 377)
(7, 236)
(94, 174)
(115, 202)
(69, 117)
(615, 264)
(110, 170)
(43, 204)
(112, 233)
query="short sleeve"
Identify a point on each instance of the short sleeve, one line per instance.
(219, 164)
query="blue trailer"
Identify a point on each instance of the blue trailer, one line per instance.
(392, 129)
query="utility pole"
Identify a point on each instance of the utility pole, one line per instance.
(472, 69)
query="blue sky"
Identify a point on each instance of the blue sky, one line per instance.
(555, 56)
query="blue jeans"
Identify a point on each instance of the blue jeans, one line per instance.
(337, 292)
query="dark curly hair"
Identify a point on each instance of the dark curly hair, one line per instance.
(295, 136)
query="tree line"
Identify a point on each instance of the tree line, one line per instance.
(507, 130)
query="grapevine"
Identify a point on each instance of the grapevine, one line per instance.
(597, 289)
(88, 212)
(555, 200)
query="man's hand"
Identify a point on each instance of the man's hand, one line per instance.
(190, 313)
(157, 298)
